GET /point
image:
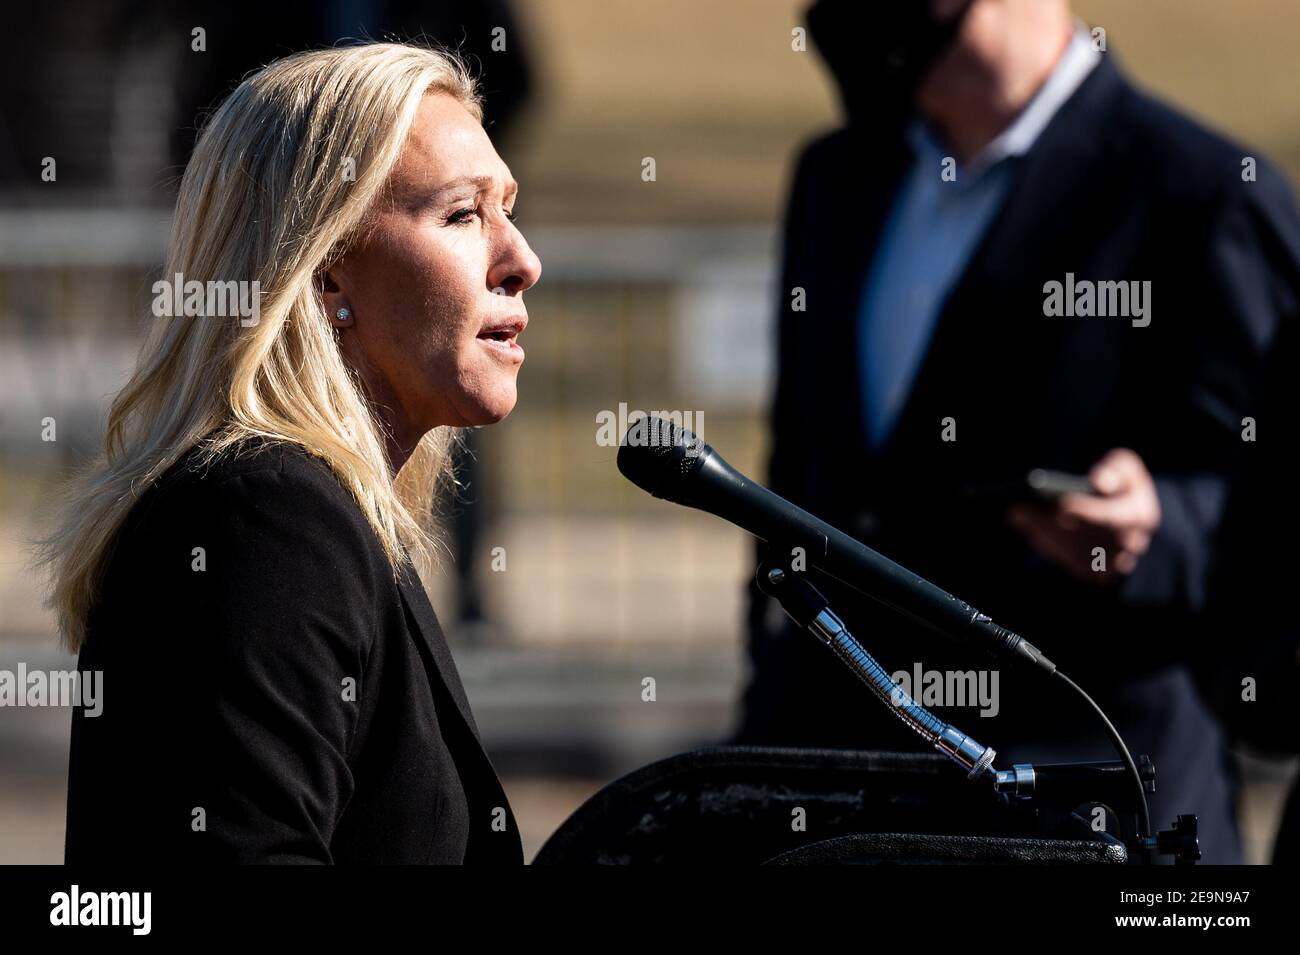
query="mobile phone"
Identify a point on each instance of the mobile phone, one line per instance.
(1050, 485)
(1041, 485)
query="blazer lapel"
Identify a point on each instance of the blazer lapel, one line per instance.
(1055, 175)
(483, 847)
(1052, 176)
(433, 639)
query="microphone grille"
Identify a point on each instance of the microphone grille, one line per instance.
(659, 456)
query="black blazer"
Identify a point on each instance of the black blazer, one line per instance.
(1117, 187)
(278, 695)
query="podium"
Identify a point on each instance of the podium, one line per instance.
(751, 805)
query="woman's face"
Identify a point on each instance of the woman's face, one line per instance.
(435, 288)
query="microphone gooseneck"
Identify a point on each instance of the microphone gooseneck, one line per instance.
(807, 607)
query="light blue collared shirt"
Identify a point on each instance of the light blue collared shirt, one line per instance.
(930, 234)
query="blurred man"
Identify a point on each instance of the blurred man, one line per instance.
(1011, 259)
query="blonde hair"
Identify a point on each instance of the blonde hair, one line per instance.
(282, 178)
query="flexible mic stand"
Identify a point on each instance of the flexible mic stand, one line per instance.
(1054, 787)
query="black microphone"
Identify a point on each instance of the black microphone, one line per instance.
(672, 463)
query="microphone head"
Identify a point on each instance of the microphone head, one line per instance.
(661, 457)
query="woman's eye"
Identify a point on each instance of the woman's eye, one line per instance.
(464, 216)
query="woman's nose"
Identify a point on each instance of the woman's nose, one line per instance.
(519, 269)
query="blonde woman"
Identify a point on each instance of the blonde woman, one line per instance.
(238, 565)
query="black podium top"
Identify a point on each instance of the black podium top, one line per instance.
(743, 805)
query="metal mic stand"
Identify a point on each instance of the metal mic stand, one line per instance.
(1051, 789)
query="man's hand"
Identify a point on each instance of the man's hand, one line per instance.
(1121, 518)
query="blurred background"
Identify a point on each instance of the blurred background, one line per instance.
(602, 586)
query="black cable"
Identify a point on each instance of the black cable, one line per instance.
(1144, 814)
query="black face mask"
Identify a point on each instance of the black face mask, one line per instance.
(879, 51)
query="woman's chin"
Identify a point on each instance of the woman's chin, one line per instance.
(489, 409)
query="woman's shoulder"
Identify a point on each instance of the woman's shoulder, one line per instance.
(264, 459)
(256, 489)
(262, 547)
(278, 468)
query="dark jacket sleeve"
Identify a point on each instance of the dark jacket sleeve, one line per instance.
(276, 637)
(1247, 282)
(1249, 669)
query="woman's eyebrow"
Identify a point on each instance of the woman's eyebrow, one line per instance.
(482, 183)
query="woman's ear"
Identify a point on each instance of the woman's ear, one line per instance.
(334, 298)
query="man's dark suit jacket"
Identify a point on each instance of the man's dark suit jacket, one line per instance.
(1117, 187)
(278, 696)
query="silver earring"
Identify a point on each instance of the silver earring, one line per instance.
(342, 315)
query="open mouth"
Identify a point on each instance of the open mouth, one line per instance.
(503, 337)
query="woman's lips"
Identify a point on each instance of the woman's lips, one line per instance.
(504, 337)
